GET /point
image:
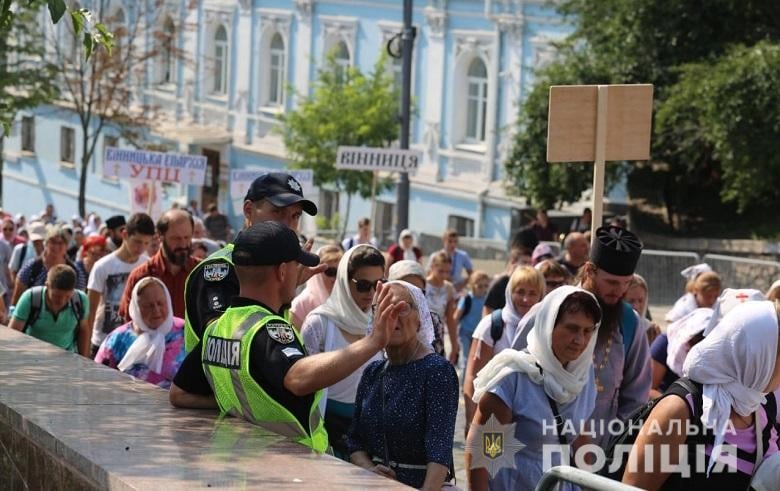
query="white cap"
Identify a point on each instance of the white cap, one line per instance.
(692, 272)
(405, 268)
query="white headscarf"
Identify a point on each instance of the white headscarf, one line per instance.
(561, 384)
(340, 306)
(509, 314)
(680, 334)
(149, 347)
(734, 363)
(691, 272)
(408, 253)
(425, 334)
(728, 299)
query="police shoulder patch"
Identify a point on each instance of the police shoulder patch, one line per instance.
(215, 272)
(280, 332)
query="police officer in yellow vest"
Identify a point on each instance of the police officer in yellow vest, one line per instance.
(252, 363)
(273, 196)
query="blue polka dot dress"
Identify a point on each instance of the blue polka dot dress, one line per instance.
(418, 420)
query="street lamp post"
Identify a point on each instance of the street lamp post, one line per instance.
(407, 42)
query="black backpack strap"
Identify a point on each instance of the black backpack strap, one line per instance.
(496, 325)
(559, 423)
(77, 306)
(466, 305)
(36, 304)
(35, 269)
(771, 419)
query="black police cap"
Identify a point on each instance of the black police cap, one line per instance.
(281, 189)
(269, 244)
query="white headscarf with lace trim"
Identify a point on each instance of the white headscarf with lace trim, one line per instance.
(425, 333)
(149, 347)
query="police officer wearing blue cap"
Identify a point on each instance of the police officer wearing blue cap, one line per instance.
(251, 363)
(273, 196)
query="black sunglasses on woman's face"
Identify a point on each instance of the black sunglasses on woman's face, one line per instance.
(365, 286)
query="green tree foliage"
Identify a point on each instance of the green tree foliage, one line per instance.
(25, 81)
(547, 185)
(346, 107)
(714, 67)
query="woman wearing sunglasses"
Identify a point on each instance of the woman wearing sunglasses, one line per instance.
(406, 405)
(342, 320)
(318, 287)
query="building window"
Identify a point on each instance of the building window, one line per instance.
(343, 60)
(220, 61)
(463, 225)
(67, 145)
(167, 61)
(277, 72)
(28, 133)
(476, 101)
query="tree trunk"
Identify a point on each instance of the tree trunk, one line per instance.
(83, 176)
(346, 217)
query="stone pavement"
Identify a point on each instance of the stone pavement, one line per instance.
(67, 423)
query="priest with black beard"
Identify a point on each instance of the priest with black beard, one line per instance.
(621, 360)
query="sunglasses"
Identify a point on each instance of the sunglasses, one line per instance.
(365, 286)
(10, 229)
(552, 285)
(330, 272)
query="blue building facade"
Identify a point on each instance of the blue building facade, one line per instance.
(473, 63)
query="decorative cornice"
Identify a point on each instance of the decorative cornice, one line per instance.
(511, 24)
(275, 20)
(436, 20)
(304, 8)
(474, 42)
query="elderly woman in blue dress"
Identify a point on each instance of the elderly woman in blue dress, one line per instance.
(405, 408)
(553, 375)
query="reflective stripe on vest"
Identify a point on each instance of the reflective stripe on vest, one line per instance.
(316, 438)
(191, 338)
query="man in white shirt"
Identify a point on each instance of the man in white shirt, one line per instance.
(363, 236)
(109, 275)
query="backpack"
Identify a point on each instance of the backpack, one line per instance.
(681, 387)
(36, 305)
(496, 326)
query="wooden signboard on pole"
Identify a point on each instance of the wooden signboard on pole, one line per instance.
(596, 123)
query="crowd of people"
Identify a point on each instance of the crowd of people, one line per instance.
(365, 353)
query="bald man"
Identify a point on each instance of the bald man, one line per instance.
(172, 263)
(576, 250)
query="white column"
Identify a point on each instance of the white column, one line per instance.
(303, 54)
(435, 22)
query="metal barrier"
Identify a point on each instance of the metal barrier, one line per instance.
(661, 270)
(738, 272)
(582, 478)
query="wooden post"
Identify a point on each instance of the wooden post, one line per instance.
(599, 166)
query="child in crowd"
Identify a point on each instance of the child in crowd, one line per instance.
(469, 310)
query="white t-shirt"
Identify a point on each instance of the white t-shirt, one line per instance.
(316, 340)
(16, 263)
(482, 333)
(108, 277)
